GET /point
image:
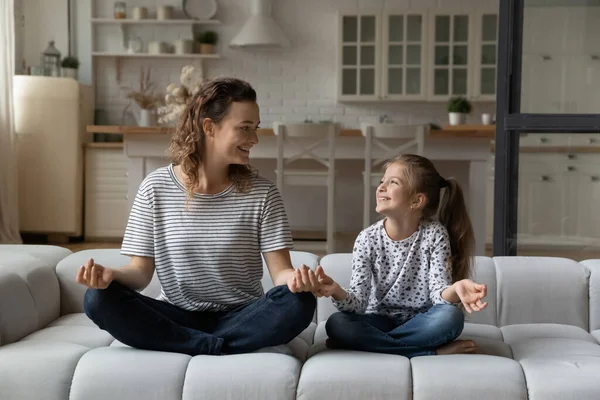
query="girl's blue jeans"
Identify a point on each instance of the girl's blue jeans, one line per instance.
(419, 336)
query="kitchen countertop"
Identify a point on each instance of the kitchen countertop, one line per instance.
(458, 132)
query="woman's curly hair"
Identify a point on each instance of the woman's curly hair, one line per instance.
(187, 146)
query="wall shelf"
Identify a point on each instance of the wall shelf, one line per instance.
(149, 21)
(147, 55)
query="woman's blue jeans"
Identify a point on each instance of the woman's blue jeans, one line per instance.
(142, 322)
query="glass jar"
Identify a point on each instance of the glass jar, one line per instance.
(120, 10)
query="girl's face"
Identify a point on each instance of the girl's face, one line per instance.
(233, 138)
(393, 196)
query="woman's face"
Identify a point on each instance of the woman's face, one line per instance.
(235, 135)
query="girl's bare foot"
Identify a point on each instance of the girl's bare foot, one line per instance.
(457, 347)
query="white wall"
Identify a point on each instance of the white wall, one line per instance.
(38, 22)
(292, 84)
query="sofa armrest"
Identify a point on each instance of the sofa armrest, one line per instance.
(29, 295)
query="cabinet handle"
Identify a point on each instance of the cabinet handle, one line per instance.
(595, 57)
(571, 156)
(546, 57)
(571, 168)
(592, 141)
(545, 178)
(544, 140)
(595, 178)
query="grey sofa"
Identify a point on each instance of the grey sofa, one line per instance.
(539, 336)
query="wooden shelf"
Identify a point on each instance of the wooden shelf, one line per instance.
(150, 21)
(148, 55)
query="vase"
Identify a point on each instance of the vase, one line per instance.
(146, 118)
(69, 73)
(457, 118)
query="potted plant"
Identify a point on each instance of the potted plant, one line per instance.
(458, 108)
(207, 41)
(146, 99)
(69, 66)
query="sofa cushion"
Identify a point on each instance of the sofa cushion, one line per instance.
(29, 295)
(150, 375)
(124, 373)
(542, 290)
(243, 376)
(467, 377)
(559, 368)
(594, 292)
(335, 374)
(482, 330)
(38, 369)
(49, 254)
(88, 336)
(517, 333)
(488, 338)
(596, 335)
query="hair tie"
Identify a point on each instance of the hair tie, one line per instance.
(444, 183)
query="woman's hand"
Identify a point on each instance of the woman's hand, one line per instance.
(328, 285)
(471, 294)
(94, 276)
(303, 280)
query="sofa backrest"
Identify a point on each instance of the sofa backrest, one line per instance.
(542, 290)
(29, 290)
(520, 290)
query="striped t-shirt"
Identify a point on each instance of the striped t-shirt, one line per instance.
(208, 256)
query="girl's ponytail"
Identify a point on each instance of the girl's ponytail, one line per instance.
(453, 214)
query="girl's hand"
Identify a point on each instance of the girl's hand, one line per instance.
(328, 285)
(471, 294)
(94, 276)
(303, 280)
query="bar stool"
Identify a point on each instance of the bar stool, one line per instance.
(307, 141)
(379, 139)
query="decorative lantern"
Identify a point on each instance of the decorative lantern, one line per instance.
(51, 60)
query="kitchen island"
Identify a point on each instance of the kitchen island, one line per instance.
(468, 145)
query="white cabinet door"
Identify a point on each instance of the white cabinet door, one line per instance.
(584, 197)
(359, 58)
(404, 55)
(542, 83)
(451, 48)
(541, 200)
(106, 204)
(486, 49)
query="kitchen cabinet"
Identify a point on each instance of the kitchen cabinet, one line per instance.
(558, 197)
(419, 55)
(106, 203)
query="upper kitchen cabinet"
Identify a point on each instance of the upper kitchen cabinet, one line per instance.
(381, 56)
(358, 55)
(417, 55)
(462, 50)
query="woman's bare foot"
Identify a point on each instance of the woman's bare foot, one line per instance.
(457, 347)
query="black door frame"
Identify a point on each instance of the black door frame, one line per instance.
(511, 123)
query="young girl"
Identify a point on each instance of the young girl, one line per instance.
(202, 223)
(409, 270)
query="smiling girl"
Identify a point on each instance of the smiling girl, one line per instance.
(409, 270)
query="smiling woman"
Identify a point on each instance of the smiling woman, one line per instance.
(202, 223)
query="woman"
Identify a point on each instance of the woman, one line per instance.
(202, 223)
